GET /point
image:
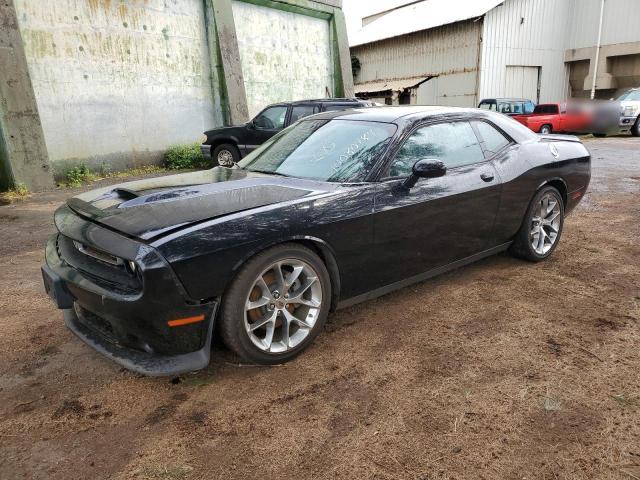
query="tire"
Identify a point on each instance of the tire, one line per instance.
(523, 244)
(599, 135)
(225, 155)
(238, 318)
(545, 129)
(635, 130)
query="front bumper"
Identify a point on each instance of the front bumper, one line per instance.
(206, 151)
(133, 328)
(627, 122)
(139, 361)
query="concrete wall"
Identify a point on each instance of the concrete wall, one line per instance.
(450, 52)
(284, 55)
(526, 33)
(23, 154)
(118, 82)
(115, 82)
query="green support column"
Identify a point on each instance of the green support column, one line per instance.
(341, 47)
(231, 65)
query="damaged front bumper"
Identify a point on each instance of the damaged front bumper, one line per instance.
(145, 321)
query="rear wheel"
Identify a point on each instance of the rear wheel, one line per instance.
(276, 305)
(545, 129)
(541, 229)
(225, 155)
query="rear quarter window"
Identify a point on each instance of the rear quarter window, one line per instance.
(546, 109)
(492, 139)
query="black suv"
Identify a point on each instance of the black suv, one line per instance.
(227, 145)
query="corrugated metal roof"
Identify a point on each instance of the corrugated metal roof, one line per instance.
(396, 84)
(421, 16)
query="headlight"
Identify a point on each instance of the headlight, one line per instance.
(203, 139)
(133, 267)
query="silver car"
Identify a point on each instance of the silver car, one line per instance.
(630, 111)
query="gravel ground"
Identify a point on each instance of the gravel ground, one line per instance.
(499, 370)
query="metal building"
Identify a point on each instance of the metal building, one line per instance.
(116, 82)
(457, 52)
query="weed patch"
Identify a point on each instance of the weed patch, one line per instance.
(184, 156)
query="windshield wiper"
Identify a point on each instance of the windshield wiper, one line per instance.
(268, 173)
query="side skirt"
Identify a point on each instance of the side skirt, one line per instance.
(378, 292)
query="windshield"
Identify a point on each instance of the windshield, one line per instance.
(630, 96)
(328, 150)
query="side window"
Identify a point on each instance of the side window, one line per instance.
(333, 108)
(504, 107)
(528, 107)
(494, 141)
(301, 111)
(455, 144)
(487, 106)
(271, 118)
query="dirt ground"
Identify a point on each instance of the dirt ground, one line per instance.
(500, 370)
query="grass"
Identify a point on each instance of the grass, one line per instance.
(20, 192)
(184, 156)
(81, 175)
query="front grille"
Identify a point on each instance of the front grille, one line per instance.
(97, 254)
(99, 267)
(97, 324)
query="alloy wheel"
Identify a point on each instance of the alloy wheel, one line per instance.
(283, 305)
(225, 158)
(545, 224)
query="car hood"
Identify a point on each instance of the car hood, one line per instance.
(631, 104)
(228, 129)
(152, 207)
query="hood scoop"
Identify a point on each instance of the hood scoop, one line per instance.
(125, 193)
(147, 216)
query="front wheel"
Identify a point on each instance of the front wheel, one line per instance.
(635, 130)
(225, 155)
(541, 229)
(545, 129)
(276, 305)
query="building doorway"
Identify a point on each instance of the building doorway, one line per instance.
(522, 82)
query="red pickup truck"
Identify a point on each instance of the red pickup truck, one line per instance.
(555, 118)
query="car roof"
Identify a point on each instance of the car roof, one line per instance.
(354, 101)
(506, 99)
(391, 114)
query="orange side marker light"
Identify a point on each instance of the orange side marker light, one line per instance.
(178, 322)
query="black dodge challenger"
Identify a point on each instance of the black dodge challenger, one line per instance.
(338, 208)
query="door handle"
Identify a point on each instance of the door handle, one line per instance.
(487, 177)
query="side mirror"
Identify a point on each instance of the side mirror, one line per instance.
(429, 168)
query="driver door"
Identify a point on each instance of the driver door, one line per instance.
(439, 220)
(265, 125)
